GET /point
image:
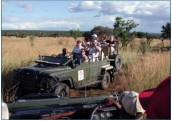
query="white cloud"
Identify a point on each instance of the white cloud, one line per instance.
(85, 6)
(10, 26)
(28, 6)
(126, 8)
(42, 25)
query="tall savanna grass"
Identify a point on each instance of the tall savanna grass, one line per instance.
(148, 70)
(144, 71)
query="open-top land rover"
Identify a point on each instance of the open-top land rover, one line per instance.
(59, 74)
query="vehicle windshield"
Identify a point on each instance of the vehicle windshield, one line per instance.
(56, 61)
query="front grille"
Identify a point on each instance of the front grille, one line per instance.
(28, 75)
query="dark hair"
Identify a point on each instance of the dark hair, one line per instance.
(64, 50)
(87, 39)
(104, 36)
(83, 49)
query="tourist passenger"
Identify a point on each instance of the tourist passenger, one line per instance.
(111, 43)
(94, 37)
(77, 50)
(83, 56)
(87, 48)
(94, 50)
(103, 40)
(84, 43)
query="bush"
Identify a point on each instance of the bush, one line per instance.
(142, 47)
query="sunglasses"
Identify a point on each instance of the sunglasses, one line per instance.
(82, 51)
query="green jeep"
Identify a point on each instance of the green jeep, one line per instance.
(60, 74)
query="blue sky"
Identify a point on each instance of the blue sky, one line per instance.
(83, 15)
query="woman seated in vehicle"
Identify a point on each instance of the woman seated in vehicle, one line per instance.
(103, 40)
(83, 56)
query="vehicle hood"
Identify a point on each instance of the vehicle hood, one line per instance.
(45, 71)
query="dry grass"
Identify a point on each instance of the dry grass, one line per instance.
(147, 72)
(142, 74)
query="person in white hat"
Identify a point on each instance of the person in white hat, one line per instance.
(94, 37)
(94, 50)
(129, 106)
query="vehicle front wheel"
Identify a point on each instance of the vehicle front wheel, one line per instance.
(105, 82)
(63, 90)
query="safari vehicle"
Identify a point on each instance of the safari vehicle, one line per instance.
(52, 106)
(59, 74)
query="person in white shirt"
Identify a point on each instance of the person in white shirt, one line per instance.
(94, 50)
(77, 48)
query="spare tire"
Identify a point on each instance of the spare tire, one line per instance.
(118, 62)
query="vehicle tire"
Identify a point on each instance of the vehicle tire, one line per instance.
(106, 81)
(63, 90)
(117, 62)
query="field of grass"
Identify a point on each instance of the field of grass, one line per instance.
(143, 71)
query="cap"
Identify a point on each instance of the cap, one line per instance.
(94, 35)
(78, 41)
(131, 103)
(156, 101)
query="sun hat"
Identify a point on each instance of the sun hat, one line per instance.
(121, 95)
(131, 103)
(94, 35)
(156, 101)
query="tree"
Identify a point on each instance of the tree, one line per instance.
(100, 30)
(75, 34)
(32, 38)
(6, 34)
(166, 30)
(56, 34)
(122, 30)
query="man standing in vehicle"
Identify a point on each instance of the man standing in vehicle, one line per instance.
(94, 50)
